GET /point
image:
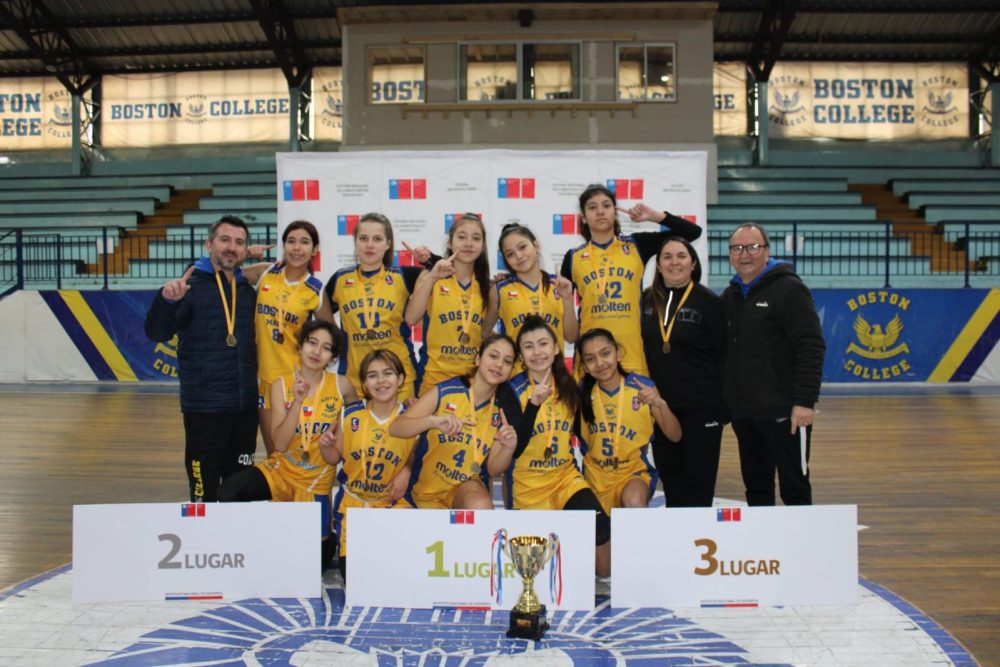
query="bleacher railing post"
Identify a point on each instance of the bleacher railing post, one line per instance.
(58, 261)
(968, 253)
(19, 251)
(795, 246)
(191, 242)
(104, 249)
(888, 234)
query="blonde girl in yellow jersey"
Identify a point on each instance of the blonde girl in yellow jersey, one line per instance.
(527, 290)
(452, 299)
(619, 409)
(305, 407)
(467, 432)
(287, 296)
(607, 270)
(543, 474)
(375, 467)
(371, 299)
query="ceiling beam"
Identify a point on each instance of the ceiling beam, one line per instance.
(775, 22)
(280, 33)
(821, 39)
(870, 7)
(178, 50)
(48, 41)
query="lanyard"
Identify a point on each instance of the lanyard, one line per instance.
(305, 427)
(618, 416)
(602, 281)
(480, 436)
(668, 321)
(230, 314)
(369, 288)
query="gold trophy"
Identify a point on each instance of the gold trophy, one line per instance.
(529, 553)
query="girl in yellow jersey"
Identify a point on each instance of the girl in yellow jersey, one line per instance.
(607, 270)
(528, 290)
(305, 407)
(468, 432)
(371, 298)
(287, 295)
(619, 410)
(375, 469)
(544, 474)
(453, 299)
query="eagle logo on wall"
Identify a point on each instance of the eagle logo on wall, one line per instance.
(877, 343)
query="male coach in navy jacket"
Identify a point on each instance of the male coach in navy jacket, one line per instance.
(772, 370)
(211, 309)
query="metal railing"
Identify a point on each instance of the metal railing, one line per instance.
(824, 254)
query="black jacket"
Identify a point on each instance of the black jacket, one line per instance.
(774, 356)
(214, 377)
(690, 376)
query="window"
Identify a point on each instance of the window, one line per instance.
(646, 73)
(519, 72)
(396, 74)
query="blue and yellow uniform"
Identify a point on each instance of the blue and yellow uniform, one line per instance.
(516, 300)
(453, 331)
(371, 306)
(544, 475)
(299, 473)
(372, 458)
(444, 462)
(616, 446)
(282, 309)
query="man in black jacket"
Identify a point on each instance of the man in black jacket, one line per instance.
(211, 309)
(773, 368)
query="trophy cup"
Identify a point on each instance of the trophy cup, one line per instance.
(529, 553)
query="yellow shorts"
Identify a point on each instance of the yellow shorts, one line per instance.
(440, 500)
(344, 503)
(549, 491)
(264, 393)
(609, 484)
(284, 491)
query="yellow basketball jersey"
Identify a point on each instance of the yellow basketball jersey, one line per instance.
(547, 462)
(609, 281)
(282, 309)
(371, 307)
(302, 464)
(516, 300)
(453, 330)
(617, 442)
(372, 457)
(442, 461)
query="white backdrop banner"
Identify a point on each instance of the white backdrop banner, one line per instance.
(195, 108)
(422, 192)
(34, 113)
(734, 556)
(869, 100)
(442, 558)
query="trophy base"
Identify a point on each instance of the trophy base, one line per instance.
(527, 626)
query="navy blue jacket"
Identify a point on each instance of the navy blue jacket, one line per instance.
(214, 377)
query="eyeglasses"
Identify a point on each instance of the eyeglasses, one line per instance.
(751, 249)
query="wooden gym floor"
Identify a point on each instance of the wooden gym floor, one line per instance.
(923, 466)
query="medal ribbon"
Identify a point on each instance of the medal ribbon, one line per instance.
(479, 436)
(602, 281)
(665, 332)
(369, 313)
(555, 570)
(496, 565)
(230, 314)
(305, 427)
(370, 417)
(550, 416)
(466, 307)
(618, 414)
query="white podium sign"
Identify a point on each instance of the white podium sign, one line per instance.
(731, 557)
(442, 558)
(195, 551)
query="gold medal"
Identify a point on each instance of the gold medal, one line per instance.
(547, 454)
(602, 298)
(614, 463)
(231, 340)
(666, 348)
(464, 338)
(370, 334)
(475, 468)
(279, 337)
(230, 314)
(304, 455)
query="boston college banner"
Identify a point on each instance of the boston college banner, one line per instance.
(876, 101)
(35, 113)
(195, 108)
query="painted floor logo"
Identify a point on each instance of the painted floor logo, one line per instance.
(284, 632)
